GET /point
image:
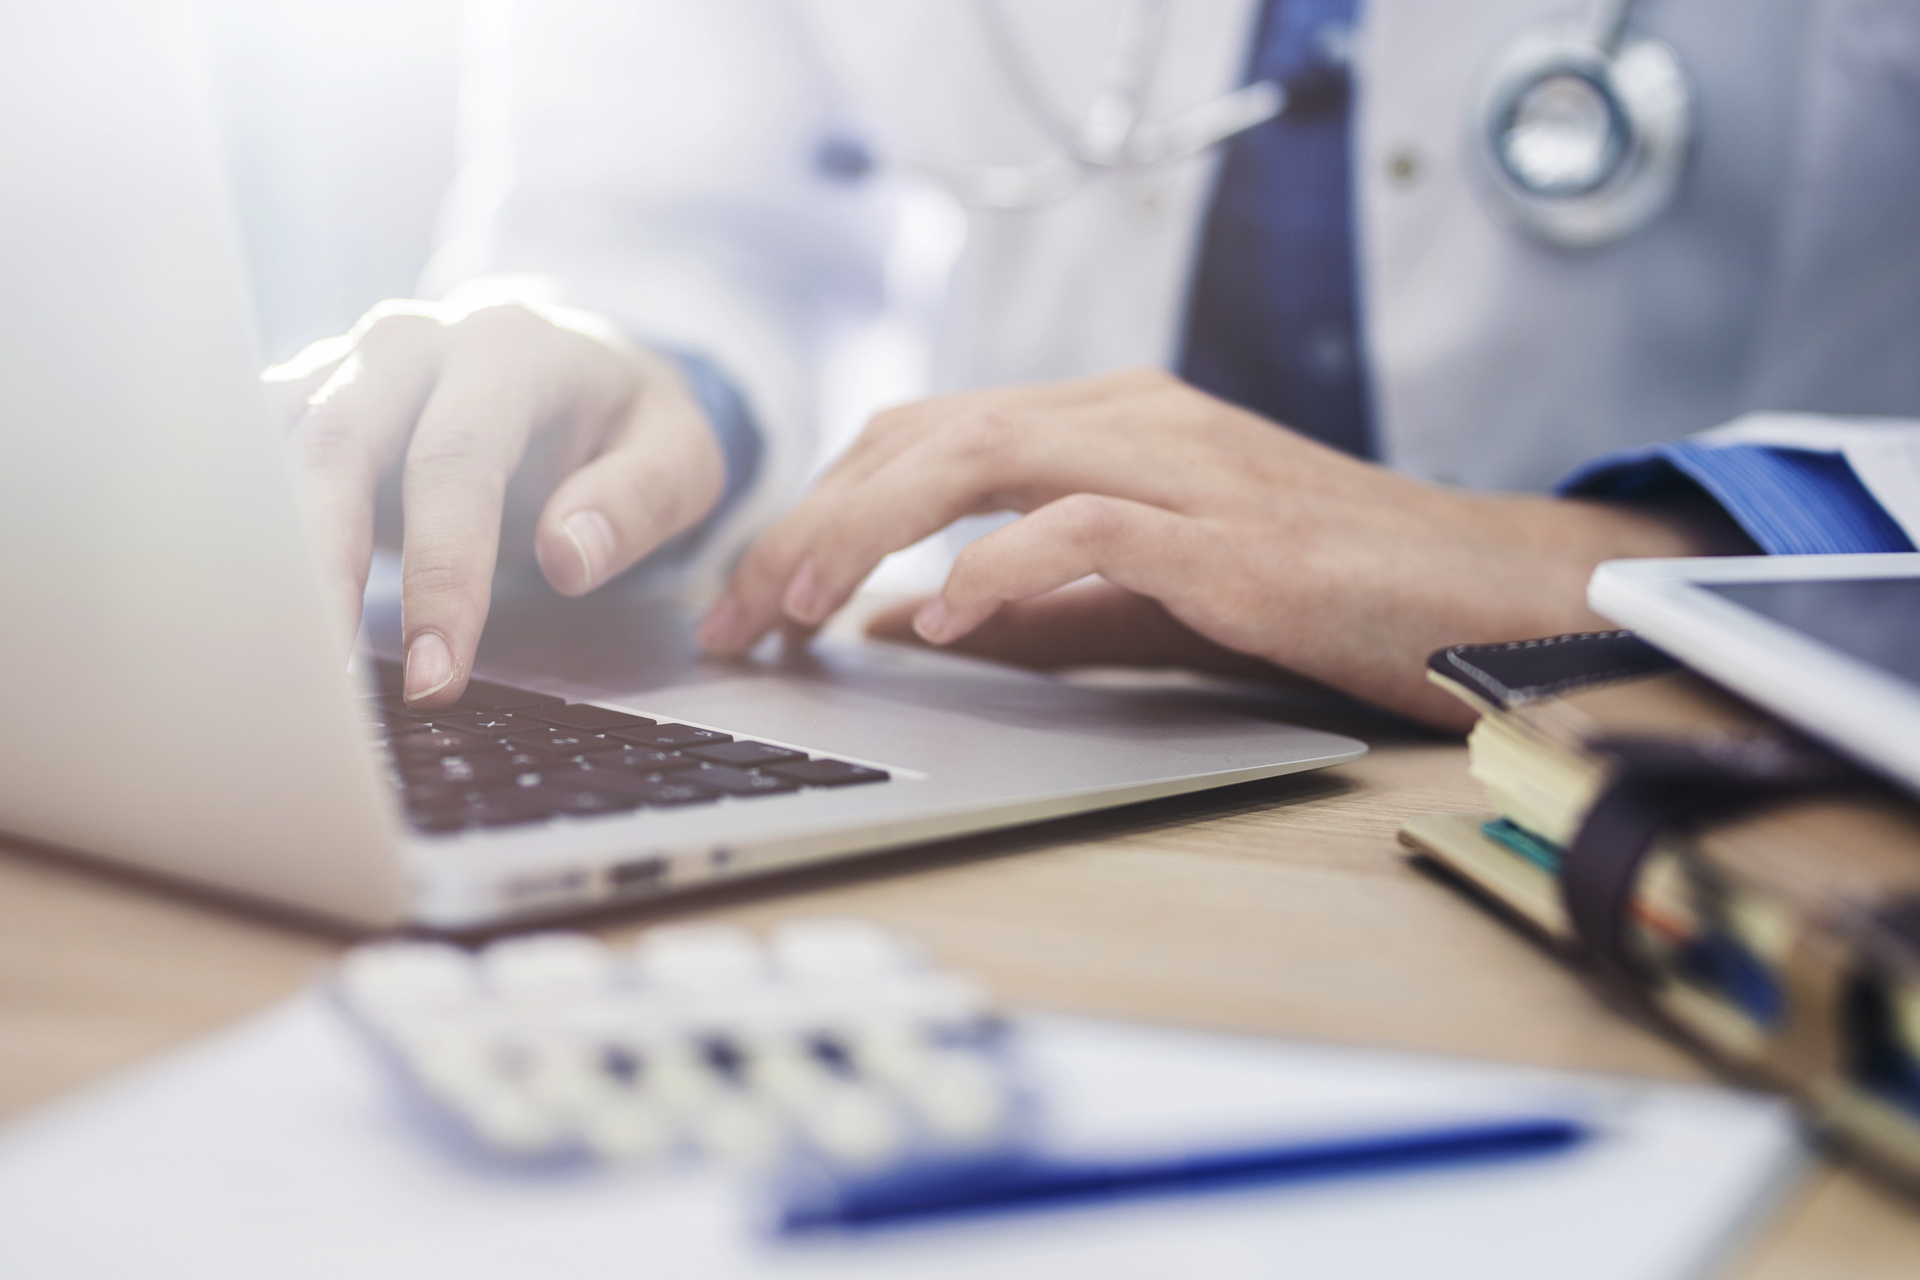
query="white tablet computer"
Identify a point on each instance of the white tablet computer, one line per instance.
(1830, 644)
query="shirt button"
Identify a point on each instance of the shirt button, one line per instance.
(840, 158)
(1405, 166)
(1325, 353)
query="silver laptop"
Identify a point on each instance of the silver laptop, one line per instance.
(172, 697)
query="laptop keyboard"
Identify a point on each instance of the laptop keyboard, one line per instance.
(504, 757)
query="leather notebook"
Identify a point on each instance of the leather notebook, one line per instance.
(1759, 896)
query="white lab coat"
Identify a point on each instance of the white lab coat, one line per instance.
(656, 160)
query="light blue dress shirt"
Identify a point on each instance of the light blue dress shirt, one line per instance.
(1789, 501)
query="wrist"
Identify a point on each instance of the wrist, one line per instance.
(730, 423)
(1685, 524)
(1519, 570)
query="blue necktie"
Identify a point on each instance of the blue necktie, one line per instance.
(1273, 321)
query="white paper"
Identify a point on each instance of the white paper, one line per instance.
(278, 1151)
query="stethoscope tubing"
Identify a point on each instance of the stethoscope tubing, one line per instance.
(1635, 173)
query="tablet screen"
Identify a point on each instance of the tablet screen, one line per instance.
(1875, 619)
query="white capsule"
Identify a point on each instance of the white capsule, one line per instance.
(852, 1124)
(546, 966)
(566, 1077)
(734, 1131)
(839, 950)
(510, 1121)
(700, 957)
(893, 1052)
(453, 1059)
(931, 998)
(676, 1077)
(389, 982)
(784, 1073)
(627, 1130)
(753, 1010)
(1906, 1017)
(961, 1099)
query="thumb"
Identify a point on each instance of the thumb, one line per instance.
(660, 474)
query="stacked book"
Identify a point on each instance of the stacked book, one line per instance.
(1757, 895)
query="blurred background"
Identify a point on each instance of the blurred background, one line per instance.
(340, 116)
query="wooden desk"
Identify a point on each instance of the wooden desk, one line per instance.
(1282, 907)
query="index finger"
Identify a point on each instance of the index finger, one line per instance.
(469, 439)
(980, 458)
(349, 431)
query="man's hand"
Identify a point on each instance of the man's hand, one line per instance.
(540, 421)
(1224, 542)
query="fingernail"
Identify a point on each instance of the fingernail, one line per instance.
(717, 628)
(931, 621)
(429, 666)
(592, 535)
(801, 599)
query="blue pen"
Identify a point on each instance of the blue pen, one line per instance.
(1023, 1180)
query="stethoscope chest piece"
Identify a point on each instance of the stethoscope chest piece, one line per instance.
(1583, 145)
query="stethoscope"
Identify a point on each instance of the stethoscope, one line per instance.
(1583, 127)
(1586, 129)
(1113, 135)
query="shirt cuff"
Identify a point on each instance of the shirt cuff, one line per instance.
(732, 420)
(1789, 501)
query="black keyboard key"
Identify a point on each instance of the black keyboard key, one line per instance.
(576, 793)
(438, 742)
(579, 715)
(584, 803)
(460, 770)
(672, 735)
(563, 742)
(828, 773)
(437, 806)
(545, 761)
(390, 679)
(434, 794)
(746, 753)
(670, 790)
(485, 695)
(492, 724)
(438, 821)
(394, 709)
(634, 759)
(605, 782)
(512, 809)
(511, 799)
(508, 783)
(589, 779)
(653, 789)
(739, 782)
(497, 765)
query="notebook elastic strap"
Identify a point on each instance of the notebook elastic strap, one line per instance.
(1662, 785)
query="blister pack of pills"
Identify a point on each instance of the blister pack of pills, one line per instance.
(829, 1040)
